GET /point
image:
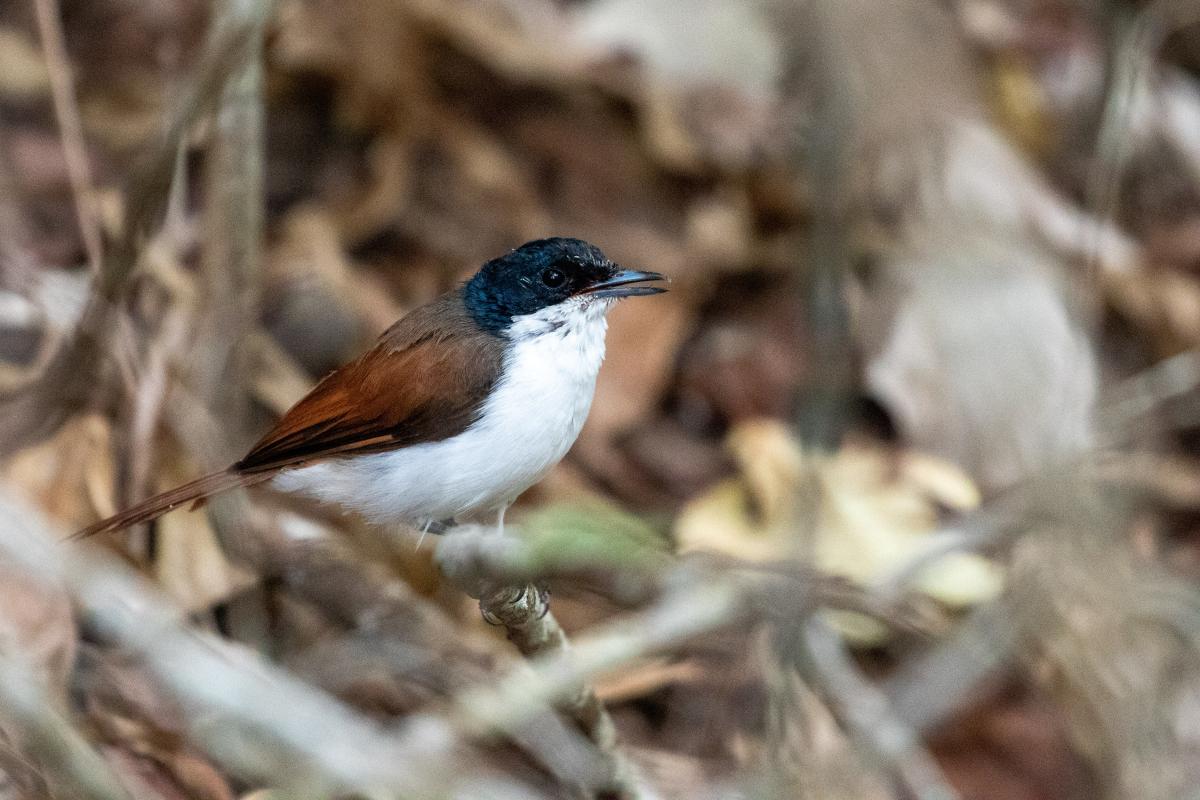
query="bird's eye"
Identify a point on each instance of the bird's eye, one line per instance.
(553, 278)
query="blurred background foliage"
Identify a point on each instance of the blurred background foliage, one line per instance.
(929, 359)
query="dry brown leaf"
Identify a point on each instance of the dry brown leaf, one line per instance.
(70, 476)
(191, 565)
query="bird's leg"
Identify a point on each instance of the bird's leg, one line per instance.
(435, 526)
(504, 603)
(424, 530)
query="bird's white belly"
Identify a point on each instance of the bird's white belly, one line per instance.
(530, 420)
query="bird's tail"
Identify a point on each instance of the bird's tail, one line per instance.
(195, 492)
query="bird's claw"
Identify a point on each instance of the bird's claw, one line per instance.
(542, 603)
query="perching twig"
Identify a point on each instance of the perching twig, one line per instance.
(694, 600)
(691, 611)
(524, 611)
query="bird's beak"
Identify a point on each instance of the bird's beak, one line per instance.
(621, 285)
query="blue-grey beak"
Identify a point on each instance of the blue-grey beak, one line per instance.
(621, 285)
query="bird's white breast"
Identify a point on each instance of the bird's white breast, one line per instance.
(531, 418)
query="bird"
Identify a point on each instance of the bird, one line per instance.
(457, 409)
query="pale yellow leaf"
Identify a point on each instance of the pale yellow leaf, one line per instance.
(875, 513)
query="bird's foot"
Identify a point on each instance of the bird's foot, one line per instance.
(510, 598)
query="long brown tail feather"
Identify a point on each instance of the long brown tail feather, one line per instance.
(195, 492)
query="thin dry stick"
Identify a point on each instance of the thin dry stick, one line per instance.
(482, 565)
(59, 749)
(148, 399)
(524, 611)
(233, 230)
(871, 718)
(930, 688)
(146, 370)
(62, 89)
(1128, 403)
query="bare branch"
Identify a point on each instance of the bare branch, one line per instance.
(524, 611)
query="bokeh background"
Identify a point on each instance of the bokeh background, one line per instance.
(893, 495)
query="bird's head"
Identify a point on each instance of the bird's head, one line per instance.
(550, 277)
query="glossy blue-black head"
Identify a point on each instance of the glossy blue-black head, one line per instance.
(544, 273)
